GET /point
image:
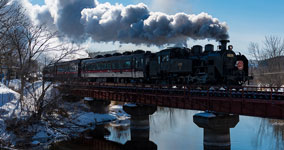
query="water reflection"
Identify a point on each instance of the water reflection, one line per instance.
(272, 128)
(90, 140)
(118, 132)
(174, 129)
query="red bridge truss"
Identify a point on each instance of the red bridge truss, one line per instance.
(265, 102)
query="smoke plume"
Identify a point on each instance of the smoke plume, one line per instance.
(104, 22)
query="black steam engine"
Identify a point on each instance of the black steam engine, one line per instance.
(169, 66)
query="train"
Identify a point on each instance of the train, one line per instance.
(174, 65)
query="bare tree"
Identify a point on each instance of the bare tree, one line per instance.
(273, 46)
(269, 61)
(28, 43)
(10, 16)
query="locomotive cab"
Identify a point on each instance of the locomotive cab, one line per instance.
(171, 64)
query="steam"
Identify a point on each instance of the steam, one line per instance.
(104, 22)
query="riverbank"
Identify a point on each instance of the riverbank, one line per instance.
(65, 121)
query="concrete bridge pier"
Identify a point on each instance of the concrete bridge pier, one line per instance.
(139, 127)
(216, 129)
(98, 105)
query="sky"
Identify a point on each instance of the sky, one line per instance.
(247, 20)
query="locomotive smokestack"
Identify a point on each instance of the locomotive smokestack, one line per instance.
(223, 45)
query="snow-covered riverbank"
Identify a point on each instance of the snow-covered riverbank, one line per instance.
(67, 120)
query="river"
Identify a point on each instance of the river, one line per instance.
(174, 129)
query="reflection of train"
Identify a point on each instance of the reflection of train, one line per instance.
(171, 66)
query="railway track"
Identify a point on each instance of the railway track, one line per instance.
(244, 92)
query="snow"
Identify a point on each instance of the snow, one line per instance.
(88, 99)
(54, 127)
(35, 143)
(15, 84)
(278, 123)
(41, 136)
(6, 95)
(131, 105)
(91, 118)
(206, 115)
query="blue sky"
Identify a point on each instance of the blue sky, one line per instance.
(248, 20)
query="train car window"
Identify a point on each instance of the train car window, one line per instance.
(68, 68)
(159, 59)
(103, 66)
(134, 62)
(165, 58)
(63, 69)
(142, 62)
(87, 67)
(137, 65)
(120, 63)
(74, 67)
(124, 64)
(98, 66)
(84, 67)
(108, 66)
(93, 66)
(117, 66)
(127, 64)
(60, 69)
(90, 66)
(113, 65)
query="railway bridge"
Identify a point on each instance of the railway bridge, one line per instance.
(267, 102)
(226, 103)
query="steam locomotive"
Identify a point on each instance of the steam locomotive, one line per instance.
(169, 66)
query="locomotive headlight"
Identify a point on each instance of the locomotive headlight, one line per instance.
(240, 64)
(231, 47)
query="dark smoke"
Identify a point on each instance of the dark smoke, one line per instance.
(127, 24)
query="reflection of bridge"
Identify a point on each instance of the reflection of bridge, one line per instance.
(139, 131)
(250, 101)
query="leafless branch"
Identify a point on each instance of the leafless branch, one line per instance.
(269, 60)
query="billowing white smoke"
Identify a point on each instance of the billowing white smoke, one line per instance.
(126, 24)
